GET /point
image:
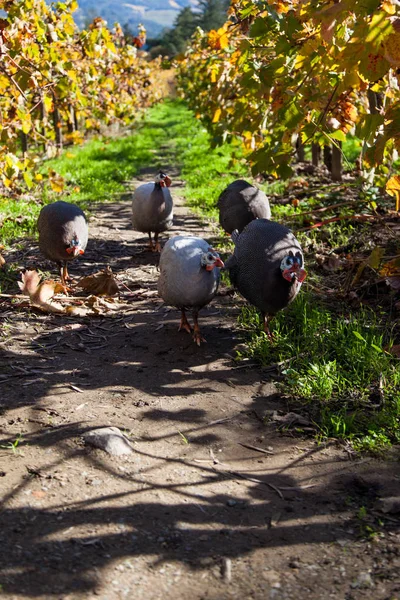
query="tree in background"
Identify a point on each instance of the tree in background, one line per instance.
(212, 14)
(174, 41)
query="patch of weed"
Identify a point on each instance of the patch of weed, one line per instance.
(336, 366)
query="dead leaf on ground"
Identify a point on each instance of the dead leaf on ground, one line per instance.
(372, 261)
(2, 259)
(40, 293)
(394, 282)
(395, 350)
(291, 419)
(330, 263)
(102, 283)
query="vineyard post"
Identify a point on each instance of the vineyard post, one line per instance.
(71, 120)
(336, 161)
(57, 124)
(315, 154)
(24, 143)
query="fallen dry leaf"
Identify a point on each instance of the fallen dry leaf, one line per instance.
(2, 259)
(41, 292)
(395, 350)
(394, 282)
(102, 283)
(39, 494)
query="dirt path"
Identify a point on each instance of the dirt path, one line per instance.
(193, 512)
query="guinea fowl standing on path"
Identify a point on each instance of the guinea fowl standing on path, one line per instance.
(189, 277)
(152, 208)
(241, 203)
(267, 266)
(63, 234)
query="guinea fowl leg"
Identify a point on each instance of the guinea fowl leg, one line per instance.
(184, 324)
(151, 247)
(197, 337)
(157, 245)
(270, 335)
(64, 272)
(64, 276)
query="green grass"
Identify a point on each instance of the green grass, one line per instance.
(337, 366)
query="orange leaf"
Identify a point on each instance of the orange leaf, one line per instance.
(393, 189)
(217, 115)
(102, 283)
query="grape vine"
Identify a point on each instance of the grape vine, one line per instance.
(313, 69)
(57, 83)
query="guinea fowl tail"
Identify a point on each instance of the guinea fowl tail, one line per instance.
(235, 236)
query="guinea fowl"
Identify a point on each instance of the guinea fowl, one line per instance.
(63, 234)
(267, 266)
(241, 203)
(189, 277)
(152, 208)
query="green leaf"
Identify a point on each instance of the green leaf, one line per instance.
(259, 28)
(338, 135)
(359, 336)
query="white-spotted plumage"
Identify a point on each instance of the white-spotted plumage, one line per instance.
(152, 208)
(189, 276)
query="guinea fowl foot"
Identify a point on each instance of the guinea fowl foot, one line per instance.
(197, 337)
(184, 324)
(156, 247)
(65, 277)
(267, 330)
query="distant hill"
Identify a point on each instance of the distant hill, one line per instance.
(155, 15)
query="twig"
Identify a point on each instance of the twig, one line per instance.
(254, 480)
(341, 218)
(321, 209)
(256, 448)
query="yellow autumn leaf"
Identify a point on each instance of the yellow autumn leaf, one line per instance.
(217, 115)
(392, 49)
(389, 7)
(223, 40)
(214, 73)
(48, 103)
(393, 189)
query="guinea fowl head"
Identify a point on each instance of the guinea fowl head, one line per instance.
(211, 259)
(291, 268)
(75, 247)
(162, 179)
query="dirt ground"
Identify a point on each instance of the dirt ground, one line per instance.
(214, 502)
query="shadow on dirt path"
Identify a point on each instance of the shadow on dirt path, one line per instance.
(214, 502)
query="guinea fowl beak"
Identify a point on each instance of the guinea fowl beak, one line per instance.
(166, 182)
(75, 250)
(295, 272)
(217, 263)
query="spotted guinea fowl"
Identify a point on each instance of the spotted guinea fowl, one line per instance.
(189, 277)
(152, 208)
(241, 203)
(63, 234)
(267, 266)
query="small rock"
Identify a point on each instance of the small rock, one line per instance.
(226, 569)
(231, 502)
(364, 580)
(109, 439)
(273, 577)
(389, 505)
